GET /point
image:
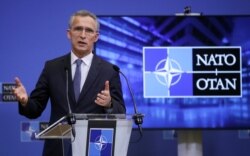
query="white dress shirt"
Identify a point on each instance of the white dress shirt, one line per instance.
(85, 66)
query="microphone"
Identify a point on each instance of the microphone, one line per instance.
(70, 117)
(138, 117)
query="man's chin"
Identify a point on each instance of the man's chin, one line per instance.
(82, 52)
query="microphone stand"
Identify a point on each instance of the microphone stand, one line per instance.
(138, 117)
(71, 119)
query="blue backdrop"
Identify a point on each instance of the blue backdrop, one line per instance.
(35, 31)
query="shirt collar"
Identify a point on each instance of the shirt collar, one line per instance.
(86, 59)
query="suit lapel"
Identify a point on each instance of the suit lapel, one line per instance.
(92, 75)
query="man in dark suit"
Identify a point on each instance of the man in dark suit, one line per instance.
(99, 84)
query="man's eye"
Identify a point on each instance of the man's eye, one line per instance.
(78, 29)
(89, 30)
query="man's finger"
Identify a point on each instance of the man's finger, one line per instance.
(101, 96)
(106, 86)
(18, 81)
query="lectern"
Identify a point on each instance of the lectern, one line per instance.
(95, 134)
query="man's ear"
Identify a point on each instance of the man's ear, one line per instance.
(96, 37)
(68, 34)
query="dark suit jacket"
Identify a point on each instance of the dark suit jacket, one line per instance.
(52, 85)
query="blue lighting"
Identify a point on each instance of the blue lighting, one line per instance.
(106, 53)
(112, 41)
(132, 21)
(225, 40)
(124, 30)
(119, 43)
(115, 27)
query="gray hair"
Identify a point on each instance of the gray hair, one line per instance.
(84, 13)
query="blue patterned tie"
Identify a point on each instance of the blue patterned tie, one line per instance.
(77, 79)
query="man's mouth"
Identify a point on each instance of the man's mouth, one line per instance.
(82, 43)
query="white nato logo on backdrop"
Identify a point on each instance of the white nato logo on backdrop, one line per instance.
(191, 71)
(170, 73)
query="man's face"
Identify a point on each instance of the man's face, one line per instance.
(83, 34)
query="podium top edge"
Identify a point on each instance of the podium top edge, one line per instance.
(63, 121)
(102, 116)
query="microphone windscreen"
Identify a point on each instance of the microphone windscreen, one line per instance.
(116, 68)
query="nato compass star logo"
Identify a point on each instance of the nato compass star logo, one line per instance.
(101, 143)
(170, 73)
(167, 72)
